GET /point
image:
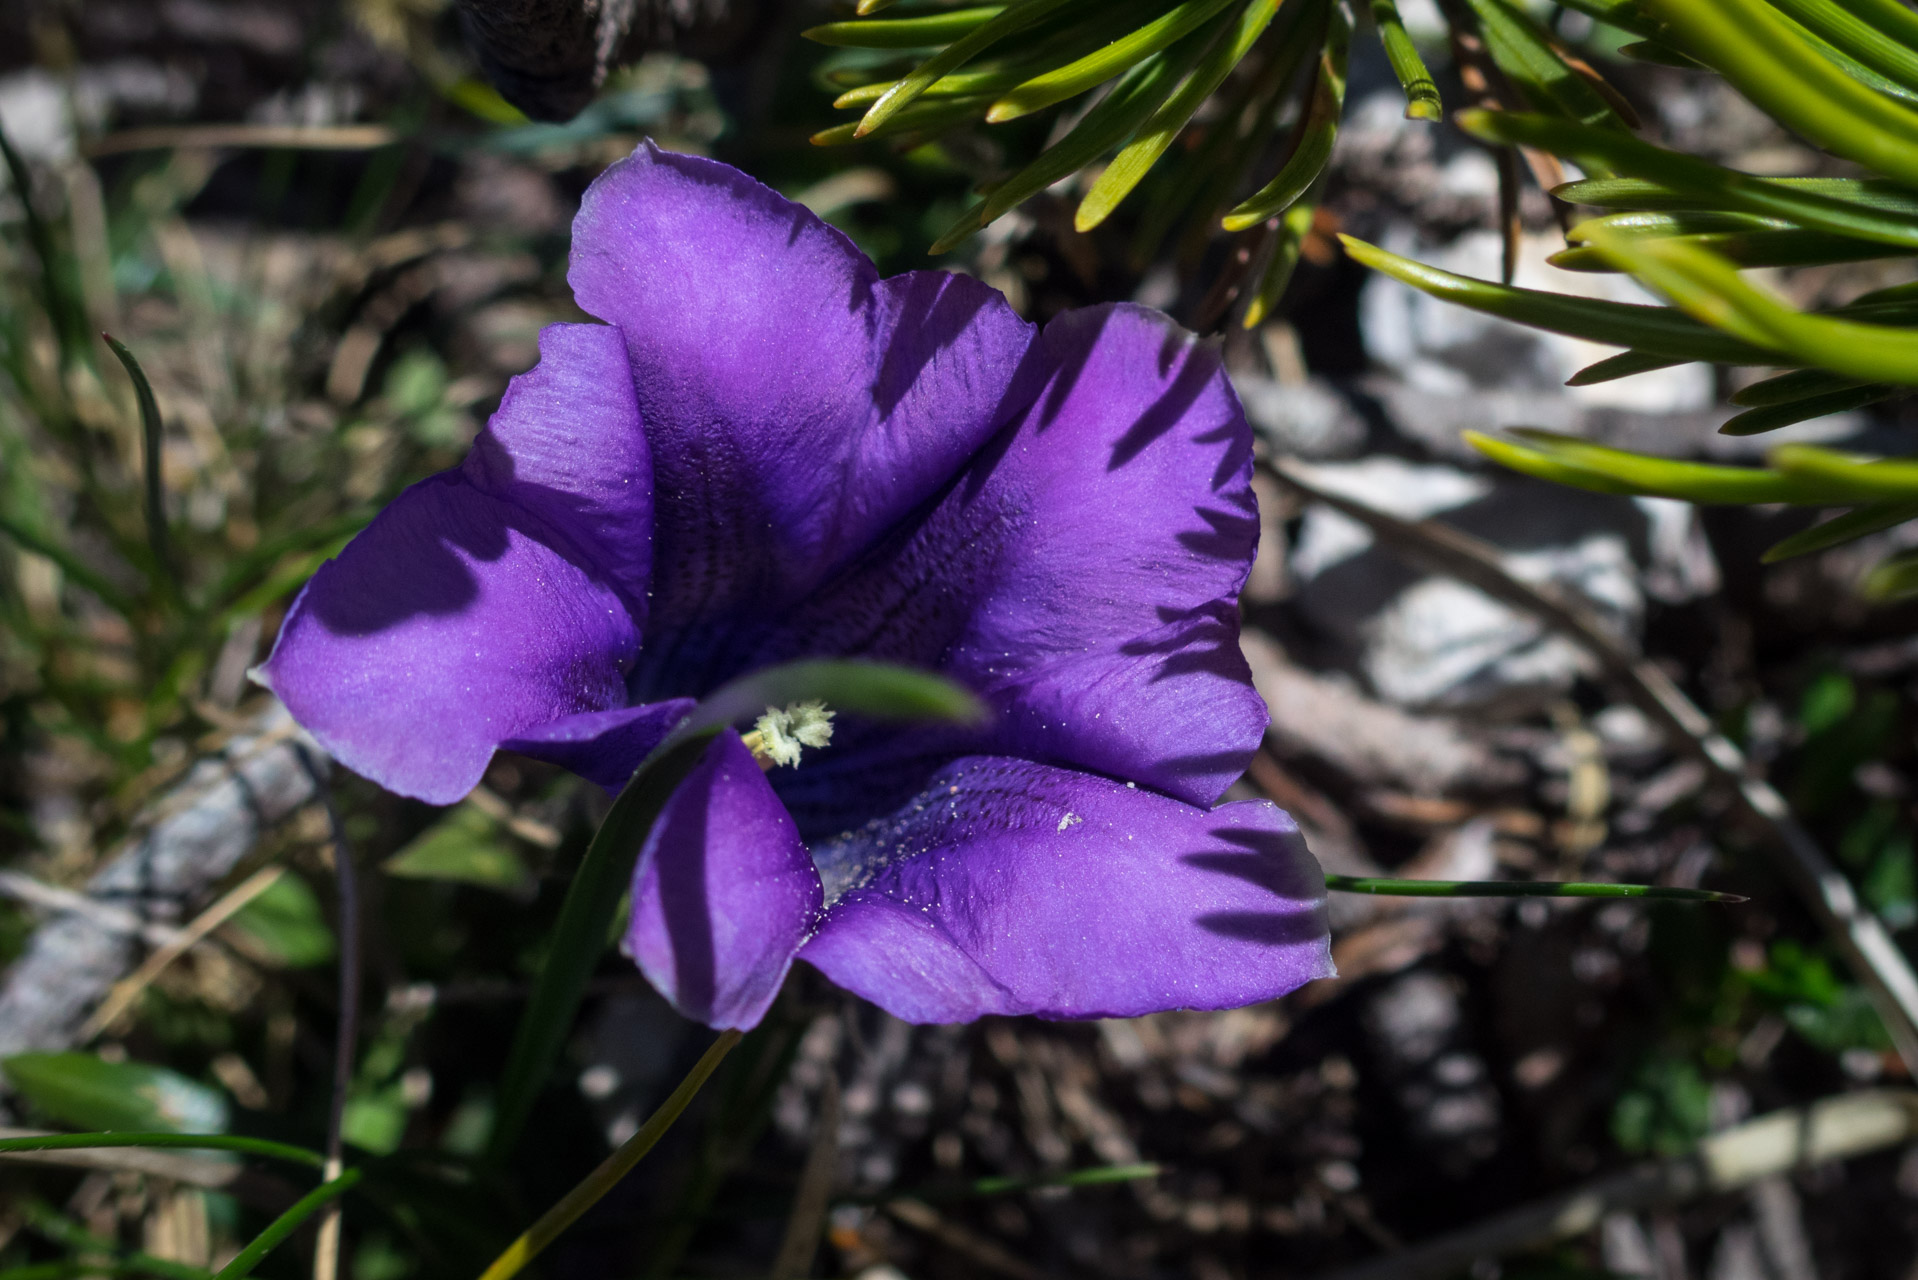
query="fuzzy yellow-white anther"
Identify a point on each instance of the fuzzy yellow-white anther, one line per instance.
(778, 736)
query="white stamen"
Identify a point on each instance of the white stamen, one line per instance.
(778, 736)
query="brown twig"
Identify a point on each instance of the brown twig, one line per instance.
(1860, 936)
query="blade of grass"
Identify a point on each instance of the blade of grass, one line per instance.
(1872, 213)
(1655, 330)
(187, 1141)
(1710, 289)
(1317, 132)
(285, 1225)
(1623, 365)
(1771, 417)
(150, 457)
(1540, 73)
(1584, 465)
(1785, 388)
(1791, 247)
(1519, 889)
(1749, 43)
(1294, 225)
(594, 1186)
(1138, 157)
(955, 55)
(928, 32)
(1096, 68)
(1867, 478)
(1848, 527)
(64, 312)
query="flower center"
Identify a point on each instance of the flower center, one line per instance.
(778, 736)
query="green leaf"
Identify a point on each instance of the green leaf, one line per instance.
(924, 116)
(1387, 887)
(1786, 388)
(1013, 19)
(150, 441)
(1752, 46)
(1132, 164)
(1868, 211)
(1623, 365)
(1655, 330)
(1710, 289)
(1120, 112)
(167, 1141)
(286, 923)
(285, 1225)
(1771, 417)
(466, 846)
(1422, 100)
(1528, 57)
(1317, 133)
(1766, 247)
(1602, 469)
(1096, 68)
(928, 32)
(1294, 225)
(1894, 578)
(1849, 527)
(1860, 479)
(88, 1093)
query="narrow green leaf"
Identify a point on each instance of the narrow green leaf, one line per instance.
(1860, 478)
(1889, 17)
(1519, 889)
(1317, 133)
(166, 1141)
(922, 116)
(64, 312)
(1584, 465)
(1422, 100)
(1773, 416)
(1646, 194)
(1623, 365)
(1294, 225)
(150, 442)
(1656, 330)
(1785, 388)
(1710, 289)
(1013, 19)
(1626, 15)
(1792, 247)
(467, 846)
(1659, 54)
(580, 933)
(1894, 578)
(285, 1225)
(928, 32)
(90, 1093)
(1873, 213)
(1867, 71)
(593, 1187)
(1096, 68)
(1132, 164)
(1749, 43)
(1848, 527)
(1139, 91)
(1526, 55)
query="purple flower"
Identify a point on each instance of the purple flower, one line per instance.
(766, 453)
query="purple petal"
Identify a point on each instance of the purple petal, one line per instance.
(604, 747)
(452, 622)
(1083, 574)
(796, 404)
(725, 893)
(567, 445)
(1016, 888)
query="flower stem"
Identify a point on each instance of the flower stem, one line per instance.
(1518, 889)
(616, 1166)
